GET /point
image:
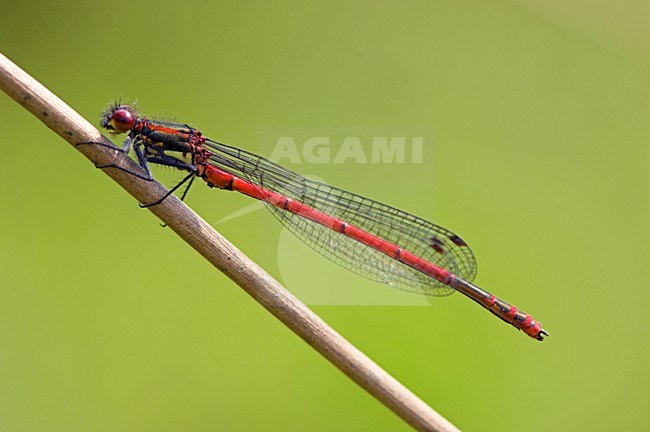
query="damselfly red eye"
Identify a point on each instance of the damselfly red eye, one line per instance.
(122, 120)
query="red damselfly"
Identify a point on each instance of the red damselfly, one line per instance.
(372, 239)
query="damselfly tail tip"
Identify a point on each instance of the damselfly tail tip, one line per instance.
(542, 333)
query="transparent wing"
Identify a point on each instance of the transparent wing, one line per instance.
(425, 239)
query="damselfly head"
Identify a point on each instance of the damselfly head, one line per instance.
(118, 118)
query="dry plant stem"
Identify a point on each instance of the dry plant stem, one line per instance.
(222, 254)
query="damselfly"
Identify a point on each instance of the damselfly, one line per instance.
(372, 239)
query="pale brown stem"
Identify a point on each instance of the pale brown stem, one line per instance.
(222, 254)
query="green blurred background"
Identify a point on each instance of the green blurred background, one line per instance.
(540, 161)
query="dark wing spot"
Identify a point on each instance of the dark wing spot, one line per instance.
(437, 245)
(457, 240)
